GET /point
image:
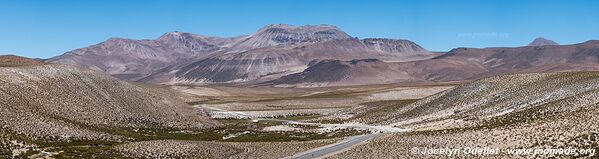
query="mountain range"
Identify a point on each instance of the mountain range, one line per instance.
(271, 52)
(286, 55)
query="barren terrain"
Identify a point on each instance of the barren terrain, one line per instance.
(63, 111)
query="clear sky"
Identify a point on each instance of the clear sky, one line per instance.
(46, 28)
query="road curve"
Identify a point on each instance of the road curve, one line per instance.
(334, 148)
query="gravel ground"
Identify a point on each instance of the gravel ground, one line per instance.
(531, 111)
(230, 150)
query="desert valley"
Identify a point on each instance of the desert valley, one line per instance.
(287, 91)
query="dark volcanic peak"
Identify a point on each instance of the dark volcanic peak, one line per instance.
(283, 34)
(352, 72)
(542, 42)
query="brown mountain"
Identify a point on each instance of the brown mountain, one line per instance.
(457, 64)
(279, 50)
(472, 63)
(133, 59)
(271, 52)
(278, 54)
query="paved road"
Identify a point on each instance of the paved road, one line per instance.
(339, 146)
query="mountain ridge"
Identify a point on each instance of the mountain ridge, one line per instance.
(279, 51)
(276, 49)
(460, 64)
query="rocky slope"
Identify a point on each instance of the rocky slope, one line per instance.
(547, 110)
(500, 95)
(65, 102)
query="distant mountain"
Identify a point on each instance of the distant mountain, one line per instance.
(273, 62)
(473, 63)
(542, 42)
(281, 54)
(458, 64)
(132, 59)
(273, 51)
(395, 47)
(285, 35)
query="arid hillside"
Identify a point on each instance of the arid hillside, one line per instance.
(66, 102)
(546, 110)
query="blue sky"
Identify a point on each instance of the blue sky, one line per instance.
(46, 28)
